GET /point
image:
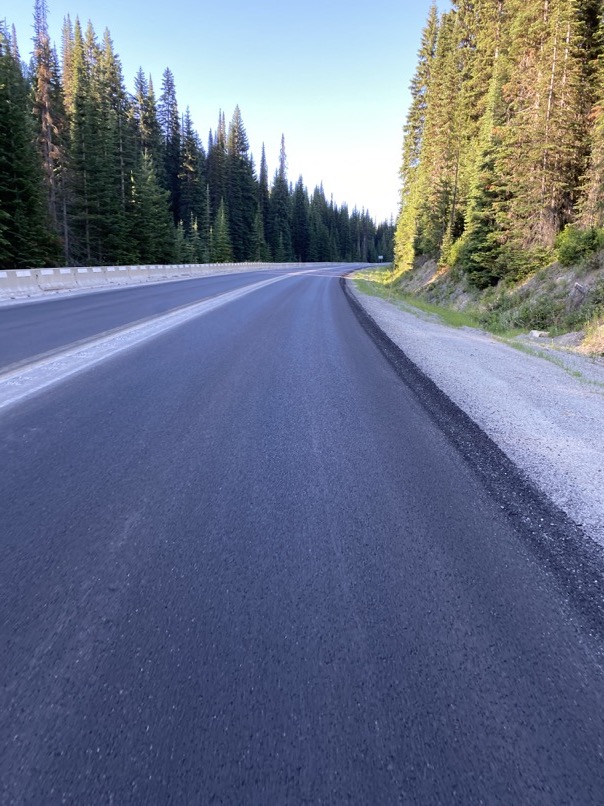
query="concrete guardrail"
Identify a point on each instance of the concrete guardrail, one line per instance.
(16, 283)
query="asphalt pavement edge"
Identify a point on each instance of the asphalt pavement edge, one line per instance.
(572, 557)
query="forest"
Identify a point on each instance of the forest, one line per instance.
(503, 155)
(92, 174)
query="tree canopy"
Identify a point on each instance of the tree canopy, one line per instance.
(92, 173)
(504, 138)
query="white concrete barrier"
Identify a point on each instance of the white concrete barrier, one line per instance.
(156, 273)
(54, 279)
(111, 274)
(67, 277)
(16, 283)
(22, 282)
(89, 276)
(123, 275)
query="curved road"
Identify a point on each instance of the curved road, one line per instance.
(252, 561)
(40, 326)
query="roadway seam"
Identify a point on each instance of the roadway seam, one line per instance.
(39, 358)
(31, 379)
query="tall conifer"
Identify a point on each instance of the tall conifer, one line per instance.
(169, 120)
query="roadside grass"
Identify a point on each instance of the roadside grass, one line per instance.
(594, 337)
(553, 359)
(380, 284)
(377, 284)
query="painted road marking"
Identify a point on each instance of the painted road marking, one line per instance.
(26, 381)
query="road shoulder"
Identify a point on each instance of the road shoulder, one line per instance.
(545, 415)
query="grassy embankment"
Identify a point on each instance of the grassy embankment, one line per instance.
(565, 301)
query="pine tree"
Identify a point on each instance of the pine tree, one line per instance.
(67, 72)
(545, 135)
(112, 173)
(192, 174)
(24, 237)
(204, 225)
(194, 245)
(151, 227)
(216, 166)
(414, 133)
(264, 201)
(260, 251)
(221, 250)
(169, 121)
(50, 116)
(319, 248)
(300, 227)
(83, 154)
(279, 234)
(480, 251)
(591, 213)
(241, 191)
(117, 157)
(438, 176)
(495, 179)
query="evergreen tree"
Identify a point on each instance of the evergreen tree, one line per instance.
(481, 249)
(151, 228)
(319, 248)
(279, 233)
(241, 191)
(204, 228)
(264, 199)
(24, 237)
(260, 251)
(169, 121)
(216, 170)
(82, 138)
(195, 251)
(117, 157)
(591, 212)
(221, 250)
(192, 179)
(144, 120)
(414, 133)
(438, 176)
(50, 117)
(300, 227)
(496, 139)
(67, 72)
(111, 174)
(544, 137)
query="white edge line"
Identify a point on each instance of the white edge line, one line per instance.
(29, 380)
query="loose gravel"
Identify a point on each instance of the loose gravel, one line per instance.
(544, 408)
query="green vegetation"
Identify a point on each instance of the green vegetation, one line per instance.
(574, 245)
(99, 175)
(504, 139)
(551, 300)
(379, 284)
(503, 164)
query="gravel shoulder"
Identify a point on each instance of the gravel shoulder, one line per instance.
(543, 408)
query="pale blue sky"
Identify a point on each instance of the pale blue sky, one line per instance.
(333, 76)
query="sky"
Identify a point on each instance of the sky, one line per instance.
(332, 76)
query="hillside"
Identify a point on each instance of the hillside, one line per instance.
(562, 306)
(565, 303)
(503, 166)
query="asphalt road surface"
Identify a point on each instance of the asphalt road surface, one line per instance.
(42, 325)
(256, 561)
